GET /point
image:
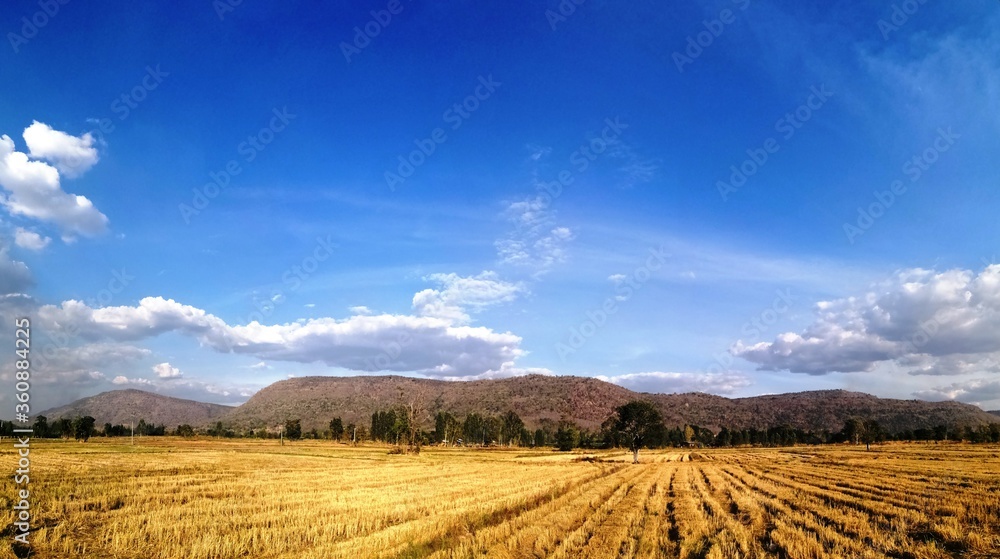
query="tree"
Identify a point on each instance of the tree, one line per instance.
(185, 430)
(413, 413)
(853, 430)
(65, 428)
(635, 422)
(293, 429)
(511, 427)
(41, 426)
(724, 438)
(336, 428)
(567, 436)
(539, 437)
(688, 434)
(83, 427)
(472, 428)
(871, 433)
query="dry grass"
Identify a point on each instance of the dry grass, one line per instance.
(169, 498)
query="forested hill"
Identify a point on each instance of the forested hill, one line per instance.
(586, 401)
(122, 406)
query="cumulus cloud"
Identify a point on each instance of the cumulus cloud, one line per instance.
(972, 391)
(361, 309)
(928, 322)
(15, 277)
(506, 370)
(121, 379)
(421, 344)
(459, 295)
(34, 189)
(190, 389)
(166, 371)
(71, 155)
(30, 240)
(667, 383)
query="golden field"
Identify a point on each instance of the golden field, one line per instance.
(170, 498)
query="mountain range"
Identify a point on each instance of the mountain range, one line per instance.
(537, 399)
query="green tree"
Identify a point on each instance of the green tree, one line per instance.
(853, 430)
(473, 428)
(491, 429)
(871, 433)
(336, 428)
(511, 426)
(635, 422)
(65, 428)
(724, 438)
(41, 426)
(293, 429)
(539, 437)
(83, 428)
(185, 430)
(567, 436)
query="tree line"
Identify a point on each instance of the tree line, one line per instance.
(401, 426)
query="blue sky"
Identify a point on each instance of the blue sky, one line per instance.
(734, 196)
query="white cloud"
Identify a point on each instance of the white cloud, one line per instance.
(421, 344)
(536, 241)
(14, 275)
(361, 309)
(667, 383)
(34, 191)
(57, 359)
(951, 78)
(30, 240)
(928, 322)
(121, 380)
(634, 169)
(973, 391)
(72, 155)
(459, 295)
(538, 152)
(506, 370)
(166, 371)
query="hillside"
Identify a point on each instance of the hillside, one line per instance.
(122, 406)
(994, 412)
(588, 401)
